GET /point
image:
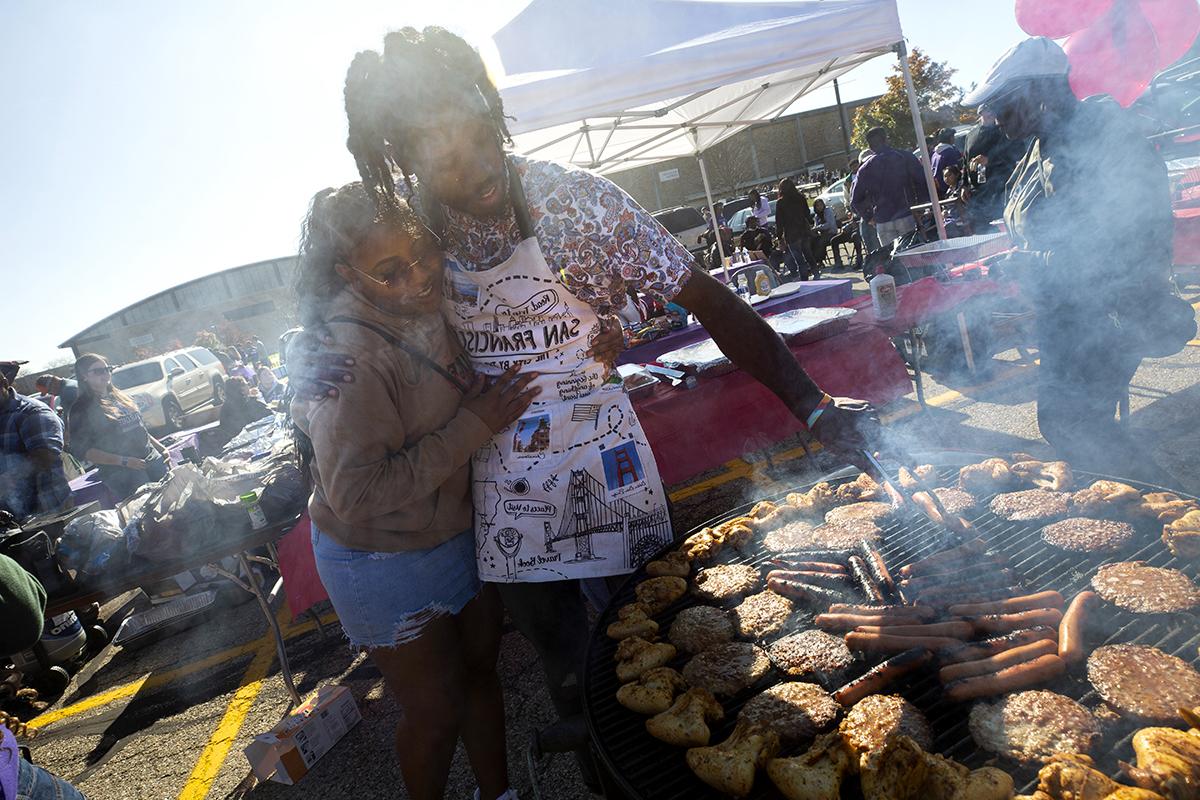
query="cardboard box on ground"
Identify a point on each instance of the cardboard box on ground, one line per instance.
(287, 752)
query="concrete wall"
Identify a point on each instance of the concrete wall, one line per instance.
(761, 154)
(254, 300)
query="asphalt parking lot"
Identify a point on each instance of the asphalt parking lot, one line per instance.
(171, 720)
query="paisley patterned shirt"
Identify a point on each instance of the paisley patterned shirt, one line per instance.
(591, 232)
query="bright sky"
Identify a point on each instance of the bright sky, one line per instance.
(146, 144)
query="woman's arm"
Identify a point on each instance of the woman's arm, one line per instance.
(107, 459)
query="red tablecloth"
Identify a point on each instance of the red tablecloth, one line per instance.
(1187, 236)
(922, 300)
(301, 583)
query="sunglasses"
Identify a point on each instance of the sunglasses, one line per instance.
(100, 371)
(391, 278)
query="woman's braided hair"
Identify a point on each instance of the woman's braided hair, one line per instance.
(389, 96)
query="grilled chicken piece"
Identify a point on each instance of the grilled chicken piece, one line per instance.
(921, 474)
(988, 476)
(1164, 507)
(986, 783)
(1053, 475)
(730, 766)
(1182, 537)
(1073, 777)
(896, 771)
(635, 655)
(1168, 762)
(815, 502)
(703, 545)
(632, 620)
(861, 488)
(762, 510)
(737, 531)
(657, 594)
(674, 564)
(653, 692)
(816, 775)
(1104, 499)
(685, 723)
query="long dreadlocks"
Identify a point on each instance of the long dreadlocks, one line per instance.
(389, 96)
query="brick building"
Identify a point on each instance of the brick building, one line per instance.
(809, 141)
(250, 300)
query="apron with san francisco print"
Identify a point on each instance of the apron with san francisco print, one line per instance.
(571, 489)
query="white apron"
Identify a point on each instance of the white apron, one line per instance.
(570, 490)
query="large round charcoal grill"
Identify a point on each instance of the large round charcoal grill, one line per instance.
(647, 768)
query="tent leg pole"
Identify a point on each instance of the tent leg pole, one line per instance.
(713, 215)
(902, 54)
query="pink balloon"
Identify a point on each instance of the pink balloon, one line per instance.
(1175, 24)
(1117, 55)
(1059, 18)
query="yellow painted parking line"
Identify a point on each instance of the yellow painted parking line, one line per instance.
(154, 681)
(208, 766)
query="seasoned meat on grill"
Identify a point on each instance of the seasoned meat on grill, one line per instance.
(1030, 505)
(1143, 682)
(1168, 761)
(700, 627)
(1138, 587)
(659, 593)
(795, 535)
(1164, 507)
(763, 614)
(876, 717)
(812, 654)
(814, 775)
(1105, 498)
(794, 710)
(866, 511)
(1079, 535)
(861, 488)
(727, 668)
(957, 502)
(730, 766)
(1032, 726)
(653, 692)
(990, 475)
(1182, 537)
(1055, 475)
(845, 535)
(726, 581)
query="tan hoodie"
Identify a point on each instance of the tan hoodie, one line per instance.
(393, 450)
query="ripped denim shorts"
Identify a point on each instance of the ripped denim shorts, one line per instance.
(387, 599)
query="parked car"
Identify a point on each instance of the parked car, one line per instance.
(684, 223)
(738, 223)
(733, 205)
(835, 199)
(167, 387)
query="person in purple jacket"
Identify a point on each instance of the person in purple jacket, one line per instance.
(887, 186)
(945, 154)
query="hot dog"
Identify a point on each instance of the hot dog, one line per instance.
(987, 666)
(953, 629)
(999, 577)
(1021, 676)
(1027, 602)
(970, 550)
(862, 576)
(886, 643)
(794, 556)
(1004, 623)
(876, 679)
(924, 613)
(848, 622)
(951, 595)
(804, 592)
(1071, 629)
(878, 567)
(830, 580)
(974, 651)
(818, 566)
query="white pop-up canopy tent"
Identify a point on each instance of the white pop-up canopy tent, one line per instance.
(612, 84)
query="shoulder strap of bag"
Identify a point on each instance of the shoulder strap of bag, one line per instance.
(395, 341)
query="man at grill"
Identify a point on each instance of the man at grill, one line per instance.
(1088, 208)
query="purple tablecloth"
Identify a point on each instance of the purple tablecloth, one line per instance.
(812, 294)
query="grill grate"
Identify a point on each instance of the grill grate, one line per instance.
(648, 768)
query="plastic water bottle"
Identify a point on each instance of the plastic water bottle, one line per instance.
(981, 173)
(883, 296)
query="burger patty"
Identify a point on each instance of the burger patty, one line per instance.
(866, 511)
(1033, 726)
(763, 614)
(727, 668)
(794, 710)
(1143, 682)
(815, 654)
(1030, 505)
(795, 535)
(877, 717)
(845, 535)
(1080, 535)
(1136, 586)
(726, 581)
(956, 501)
(700, 627)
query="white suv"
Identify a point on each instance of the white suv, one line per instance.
(168, 386)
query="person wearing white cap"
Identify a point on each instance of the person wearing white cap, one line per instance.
(1089, 212)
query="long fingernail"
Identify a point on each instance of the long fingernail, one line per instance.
(347, 377)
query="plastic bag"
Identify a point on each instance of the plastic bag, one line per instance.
(187, 514)
(93, 543)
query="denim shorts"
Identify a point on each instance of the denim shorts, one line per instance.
(387, 599)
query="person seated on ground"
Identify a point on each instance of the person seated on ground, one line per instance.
(757, 240)
(32, 480)
(105, 427)
(270, 388)
(22, 605)
(824, 229)
(239, 409)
